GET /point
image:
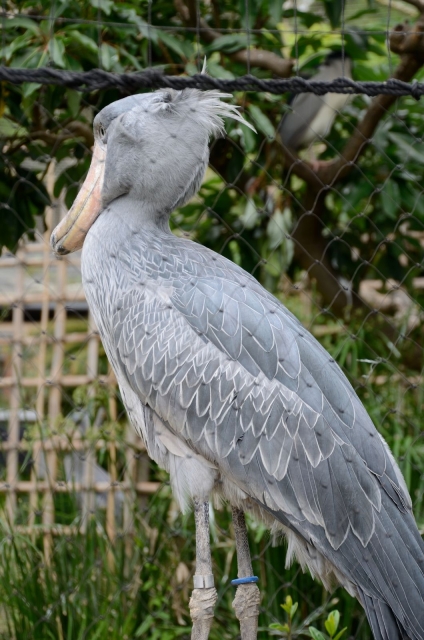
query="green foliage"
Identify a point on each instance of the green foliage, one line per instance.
(334, 11)
(43, 124)
(295, 628)
(38, 122)
(22, 197)
(91, 588)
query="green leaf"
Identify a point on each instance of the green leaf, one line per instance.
(247, 11)
(28, 88)
(315, 634)
(128, 57)
(249, 219)
(56, 50)
(191, 69)
(147, 624)
(146, 30)
(307, 19)
(365, 72)
(10, 129)
(262, 121)
(339, 635)
(83, 41)
(275, 10)
(406, 144)
(23, 23)
(287, 605)
(104, 5)
(356, 45)
(217, 71)
(172, 43)
(108, 56)
(361, 13)
(30, 58)
(356, 192)
(21, 42)
(390, 198)
(280, 627)
(56, 10)
(334, 11)
(249, 139)
(230, 43)
(73, 99)
(332, 622)
(276, 231)
(235, 251)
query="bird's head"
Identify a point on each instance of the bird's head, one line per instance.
(150, 147)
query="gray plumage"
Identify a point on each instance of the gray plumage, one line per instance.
(230, 393)
(311, 116)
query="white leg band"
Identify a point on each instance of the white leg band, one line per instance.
(203, 582)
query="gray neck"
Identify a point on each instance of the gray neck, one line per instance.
(137, 215)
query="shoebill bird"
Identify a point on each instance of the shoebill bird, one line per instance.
(228, 390)
(311, 117)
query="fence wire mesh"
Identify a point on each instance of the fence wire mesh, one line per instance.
(324, 208)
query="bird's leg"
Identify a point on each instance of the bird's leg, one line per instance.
(204, 595)
(248, 598)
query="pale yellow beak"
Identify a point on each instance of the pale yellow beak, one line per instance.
(70, 233)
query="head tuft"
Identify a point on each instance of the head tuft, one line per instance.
(209, 110)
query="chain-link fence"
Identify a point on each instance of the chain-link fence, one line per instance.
(323, 205)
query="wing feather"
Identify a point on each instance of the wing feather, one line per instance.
(225, 352)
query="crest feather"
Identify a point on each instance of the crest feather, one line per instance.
(209, 109)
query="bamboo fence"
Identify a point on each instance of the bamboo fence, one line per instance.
(49, 346)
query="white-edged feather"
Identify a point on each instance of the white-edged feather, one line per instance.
(208, 108)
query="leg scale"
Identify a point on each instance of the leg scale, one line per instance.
(202, 605)
(248, 598)
(203, 600)
(246, 606)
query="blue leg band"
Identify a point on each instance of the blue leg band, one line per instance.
(248, 580)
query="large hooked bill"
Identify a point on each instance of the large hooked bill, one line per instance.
(70, 233)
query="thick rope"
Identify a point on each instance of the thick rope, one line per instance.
(97, 79)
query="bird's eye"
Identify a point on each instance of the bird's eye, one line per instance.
(102, 131)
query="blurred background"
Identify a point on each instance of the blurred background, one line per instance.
(324, 206)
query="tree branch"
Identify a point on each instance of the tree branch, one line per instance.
(399, 5)
(404, 40)
(264, 60)
(311, 253)
(311, 248)
(256, 57)
(329, 173)
(192, 12)
(71, 130)
(355, 147)
(418, 4)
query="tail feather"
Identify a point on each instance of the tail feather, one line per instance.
(387, 574)
(369, 608)
(387, 620)
(383, 623)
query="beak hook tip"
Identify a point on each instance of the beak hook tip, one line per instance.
(57, 248)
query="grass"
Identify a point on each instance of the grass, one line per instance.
(90, 588)
(138, 586)
(93, 589)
